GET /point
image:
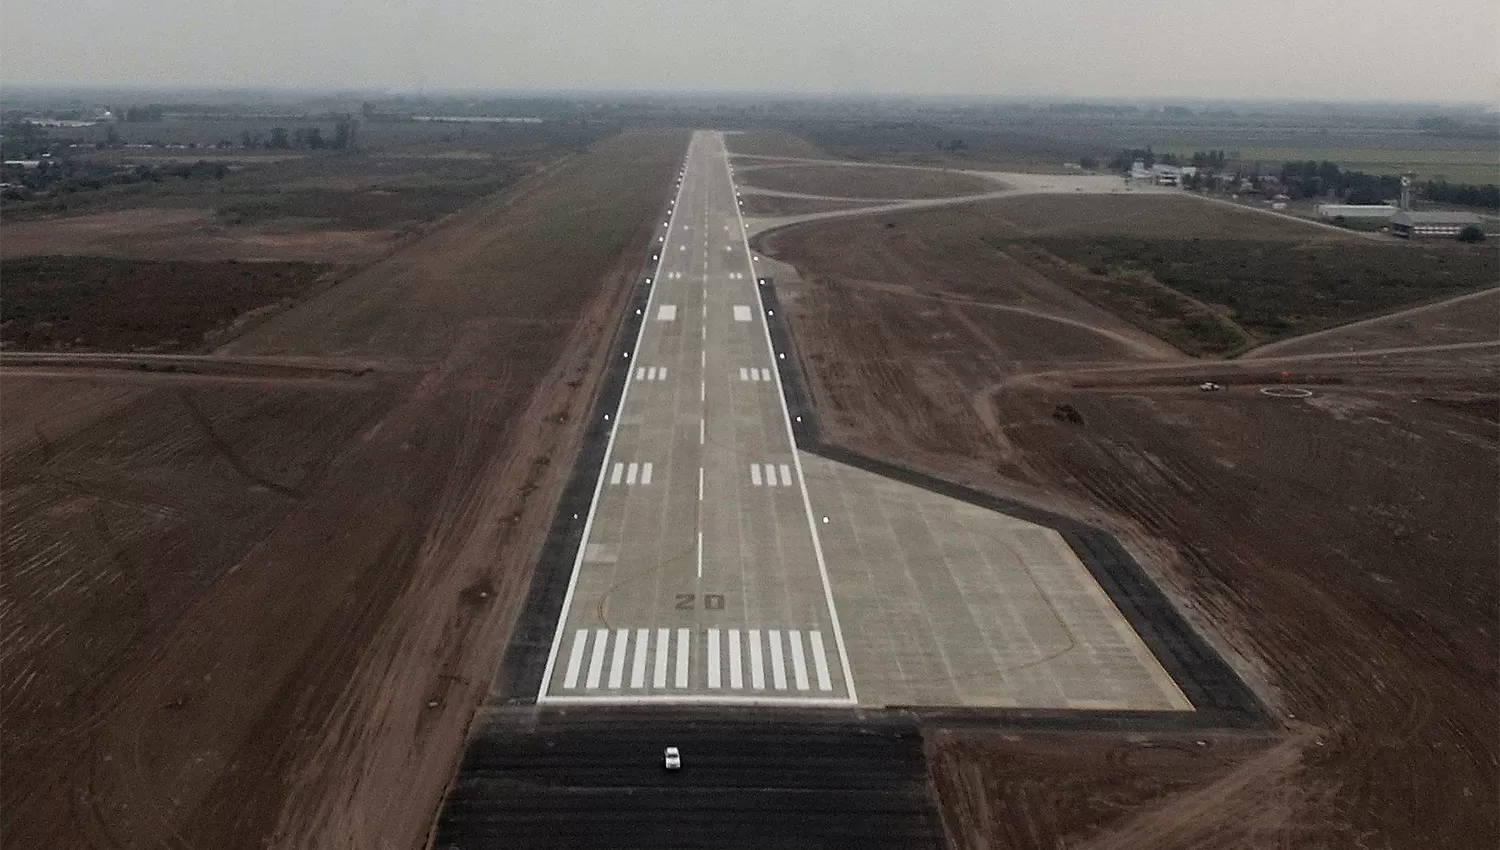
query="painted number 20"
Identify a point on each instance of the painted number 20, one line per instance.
(711, 601)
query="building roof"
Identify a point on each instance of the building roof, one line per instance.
(1438, 217)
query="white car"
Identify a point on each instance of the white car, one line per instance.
(671, 759)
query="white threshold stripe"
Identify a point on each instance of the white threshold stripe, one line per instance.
(575, 658)
(833, 614)
(820, 660)
(799, 661)
(778, 669)
(596, 661)
(713, 659)
(684, 644)
(736, 674)
(659, 674)
(609, 449)
(757, 673)
(617, 662)
(638, 667)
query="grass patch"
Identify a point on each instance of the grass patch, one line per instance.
(1220, 296)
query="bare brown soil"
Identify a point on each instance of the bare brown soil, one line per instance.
(774, 205)
(864, 181)
(1340, 549)
(770, 143)
(1464, 319)
(1007, 790)
(180, 234)
(262, 612)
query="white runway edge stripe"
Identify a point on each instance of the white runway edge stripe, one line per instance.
(609, 448)
(777, 659)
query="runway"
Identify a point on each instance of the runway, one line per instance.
(701, 577)
(716, 557)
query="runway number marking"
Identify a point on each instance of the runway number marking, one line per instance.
(689, 601)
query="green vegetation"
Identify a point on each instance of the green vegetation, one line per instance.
(1220, 296)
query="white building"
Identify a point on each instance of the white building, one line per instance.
(1355, 210)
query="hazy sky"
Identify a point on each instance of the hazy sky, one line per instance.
(1330, 49)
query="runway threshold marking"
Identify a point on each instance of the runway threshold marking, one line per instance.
(619, 658)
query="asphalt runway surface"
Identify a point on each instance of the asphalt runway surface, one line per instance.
(596, 780)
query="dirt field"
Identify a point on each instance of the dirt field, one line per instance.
(1463, 319)
(197, 234)
(864, 181)
(775, 205)
(1339, 548)
(261, 610)
(100, 304)
(1209, 279)
(770, 143)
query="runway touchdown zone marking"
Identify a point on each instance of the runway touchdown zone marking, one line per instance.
(651, 373)
(631, 473)
(770, 475)
(667, 313)
(755, 373)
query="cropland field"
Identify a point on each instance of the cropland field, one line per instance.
(65, 303)
(255, 602)
(865, 181)
(1338, 545)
